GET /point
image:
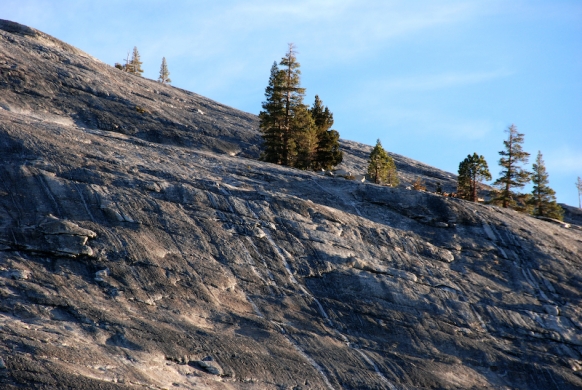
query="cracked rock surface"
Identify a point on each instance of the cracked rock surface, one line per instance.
(153, 255)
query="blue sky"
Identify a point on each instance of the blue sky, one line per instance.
(433, 81)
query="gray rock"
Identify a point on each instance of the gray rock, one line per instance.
(341, 173)
(18, 274)
(52, 235)
(113, 214)
(552, 309)
(209, 365)
(101, 275)
(53, 226)
(286, 277)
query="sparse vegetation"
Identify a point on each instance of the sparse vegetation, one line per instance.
(513, 175)
(543, 199)
(293, 134)
(381, 167)
(141, 110)
(284, 98)
(164, 77)
(579, 188)
(166, 243)
(132, 65)
(328, 153)
(300, 136)
(418, 184)
(472, 170)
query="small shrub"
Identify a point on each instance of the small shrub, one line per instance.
(418, 185)
(141, 110)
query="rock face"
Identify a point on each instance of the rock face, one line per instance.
(156, 255)
(51, 81)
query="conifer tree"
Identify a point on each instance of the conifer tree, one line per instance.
(127, 66)
(271, 120)
(513, 175)
(381, 167)
(306, 138)
(543, 198)
(579, 187)
(293, 104)
(463, 181)
(328, 153)
(293, 134)
(284, 101)
(328, 150)
(134, 65)
(164, 72)
(321, 115)
(472, 170)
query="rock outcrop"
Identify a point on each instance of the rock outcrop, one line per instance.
(153, 254)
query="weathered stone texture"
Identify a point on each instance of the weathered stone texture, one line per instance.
(156, 259)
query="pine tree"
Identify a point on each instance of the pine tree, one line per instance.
(472, 170)
(381, 167)
(293, 134)
(543, 198)
(512, 176)
(328, 153)
(579, 188)
(293, 105)
(284, 100)
(463, 181)
(164, 72)
(271, 120)
(321, 115)
(134, 65)
(127, 66)
(306, 138)
(392, 177)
